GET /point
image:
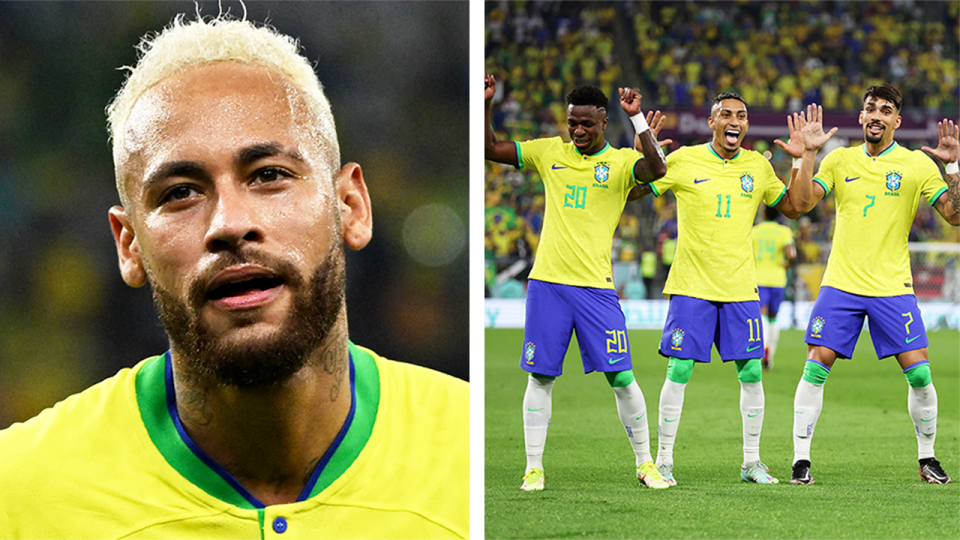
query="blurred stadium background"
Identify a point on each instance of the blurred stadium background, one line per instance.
(779, 55)
(396, 76)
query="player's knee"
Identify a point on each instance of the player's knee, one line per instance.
(679, 370)
(749, 371)
(815, 372)
(918, 376)
(618, 379)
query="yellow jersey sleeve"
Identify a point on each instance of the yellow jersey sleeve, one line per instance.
(584, 198)
(876, 200)
(717, 200)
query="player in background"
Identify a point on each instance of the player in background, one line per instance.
(712, 284)
(773, 249)
(586, 183)
(877, 187)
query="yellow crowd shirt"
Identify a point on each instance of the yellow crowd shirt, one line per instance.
(876, 199)
(113, 462)
(584, 199)
(770, 240)
(717, 200)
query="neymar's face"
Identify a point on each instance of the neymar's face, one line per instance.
(233, 215)
(586, 124)
(879, 119)
(729, 123)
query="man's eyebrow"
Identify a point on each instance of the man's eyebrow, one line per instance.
(744, 111)
(188, 169)
(251, 154)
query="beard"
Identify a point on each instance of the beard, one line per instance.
(267, 360)
(871, 138)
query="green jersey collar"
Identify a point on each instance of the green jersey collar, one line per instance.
(157, 401)
(886, 151)
(606, 146)
(714, 152)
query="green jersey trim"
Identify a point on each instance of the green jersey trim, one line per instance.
(941, 191)
(653, 188)
(606, 146)
(886, 151)
(779, 197)
(714, 152)
(156, 401)
(826, 190)
(519, 156)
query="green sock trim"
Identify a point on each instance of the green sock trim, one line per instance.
(918, 376)
(749, 371)
(618, 379)
(814, 372)
(543, 377)
(679, 370)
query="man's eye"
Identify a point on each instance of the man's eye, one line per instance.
(270, 174)
(178, 193)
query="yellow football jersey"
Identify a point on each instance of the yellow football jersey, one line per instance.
(717, 200)
(113, 462)
(769, 241)
(584, 199)
(876, 199)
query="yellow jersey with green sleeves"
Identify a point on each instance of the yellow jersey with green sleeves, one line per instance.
(584, 199)
(876, 199)
(114, 462)
(717, 200)
(770, 240)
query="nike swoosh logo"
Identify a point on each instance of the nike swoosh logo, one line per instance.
(755, 347)
(695, 181)
(669, 420)
(851, 179)
(929, 420)
(641, 416)
(909, 339)
(612, 361)
(752, 415)
(535, 410)
(554, 167)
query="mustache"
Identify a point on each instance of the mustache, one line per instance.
(283, 269)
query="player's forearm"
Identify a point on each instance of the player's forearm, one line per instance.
(654, 164)
(494, 150)
(952, 199)
(801, 189)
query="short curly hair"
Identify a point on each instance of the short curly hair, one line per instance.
(726, 95)
(587, 94)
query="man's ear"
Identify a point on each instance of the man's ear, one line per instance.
(128, 248)
(356, 215)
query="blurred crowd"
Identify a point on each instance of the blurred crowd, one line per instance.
(778, 55)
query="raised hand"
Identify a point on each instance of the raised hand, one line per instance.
(795, 145)
(812, 128)
(656, 120)
(489, 86)
(630, 100)
(948, 149)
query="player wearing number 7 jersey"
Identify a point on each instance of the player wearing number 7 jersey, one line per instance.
(877, 187)
(712, 284)
(586, 183)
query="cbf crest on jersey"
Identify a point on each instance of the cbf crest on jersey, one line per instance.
(676, 339)
(601, 172)
(528, 351)
(893, 180)
(746, 183)
(816, 327)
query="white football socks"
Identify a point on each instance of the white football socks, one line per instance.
(751, 410)
(537, 407)
(807, 404)
(633, 414)
(671, 406)
(922, 406)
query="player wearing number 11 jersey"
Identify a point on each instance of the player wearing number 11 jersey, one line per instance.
(586, 183)
(712, 284)
(877, 187)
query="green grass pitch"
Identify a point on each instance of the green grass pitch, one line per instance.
(864, 452)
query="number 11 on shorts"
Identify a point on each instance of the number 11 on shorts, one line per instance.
(759, 332)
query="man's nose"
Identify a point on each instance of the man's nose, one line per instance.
(234, 219)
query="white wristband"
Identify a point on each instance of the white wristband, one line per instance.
(952, 168)
(797, 162)
(639, 123)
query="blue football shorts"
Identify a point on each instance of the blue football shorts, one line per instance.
(771, 297)
(693, 325)
(554, 311)
(837, 319)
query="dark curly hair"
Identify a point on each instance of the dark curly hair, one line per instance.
(586, 94)
(726, 95)
(885, 91)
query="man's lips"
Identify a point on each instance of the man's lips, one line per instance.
(243, 286)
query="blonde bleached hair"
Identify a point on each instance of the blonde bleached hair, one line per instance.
(184, 44)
